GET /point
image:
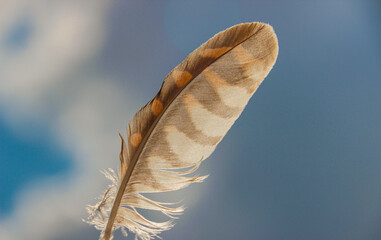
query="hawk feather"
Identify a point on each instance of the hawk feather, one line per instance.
(172, 134)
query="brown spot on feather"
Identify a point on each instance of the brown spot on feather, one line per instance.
(181, 77)
(156, 107)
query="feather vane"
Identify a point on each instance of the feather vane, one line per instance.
(181, 126)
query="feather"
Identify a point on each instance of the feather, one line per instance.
(181, 126)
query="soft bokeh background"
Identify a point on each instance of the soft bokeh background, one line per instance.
(302, 162)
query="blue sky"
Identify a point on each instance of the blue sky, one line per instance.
(25, 160)
(302, 162)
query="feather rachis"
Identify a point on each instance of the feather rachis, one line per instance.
(207, 91)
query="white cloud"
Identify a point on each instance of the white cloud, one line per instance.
(60, 36)
(86, 125)
(51, 67)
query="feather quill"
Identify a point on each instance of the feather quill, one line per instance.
(181, 126)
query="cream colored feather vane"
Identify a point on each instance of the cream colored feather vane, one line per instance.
(181, 126)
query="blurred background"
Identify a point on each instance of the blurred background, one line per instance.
(302, 162)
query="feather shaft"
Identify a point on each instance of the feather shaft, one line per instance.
(126, 178)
